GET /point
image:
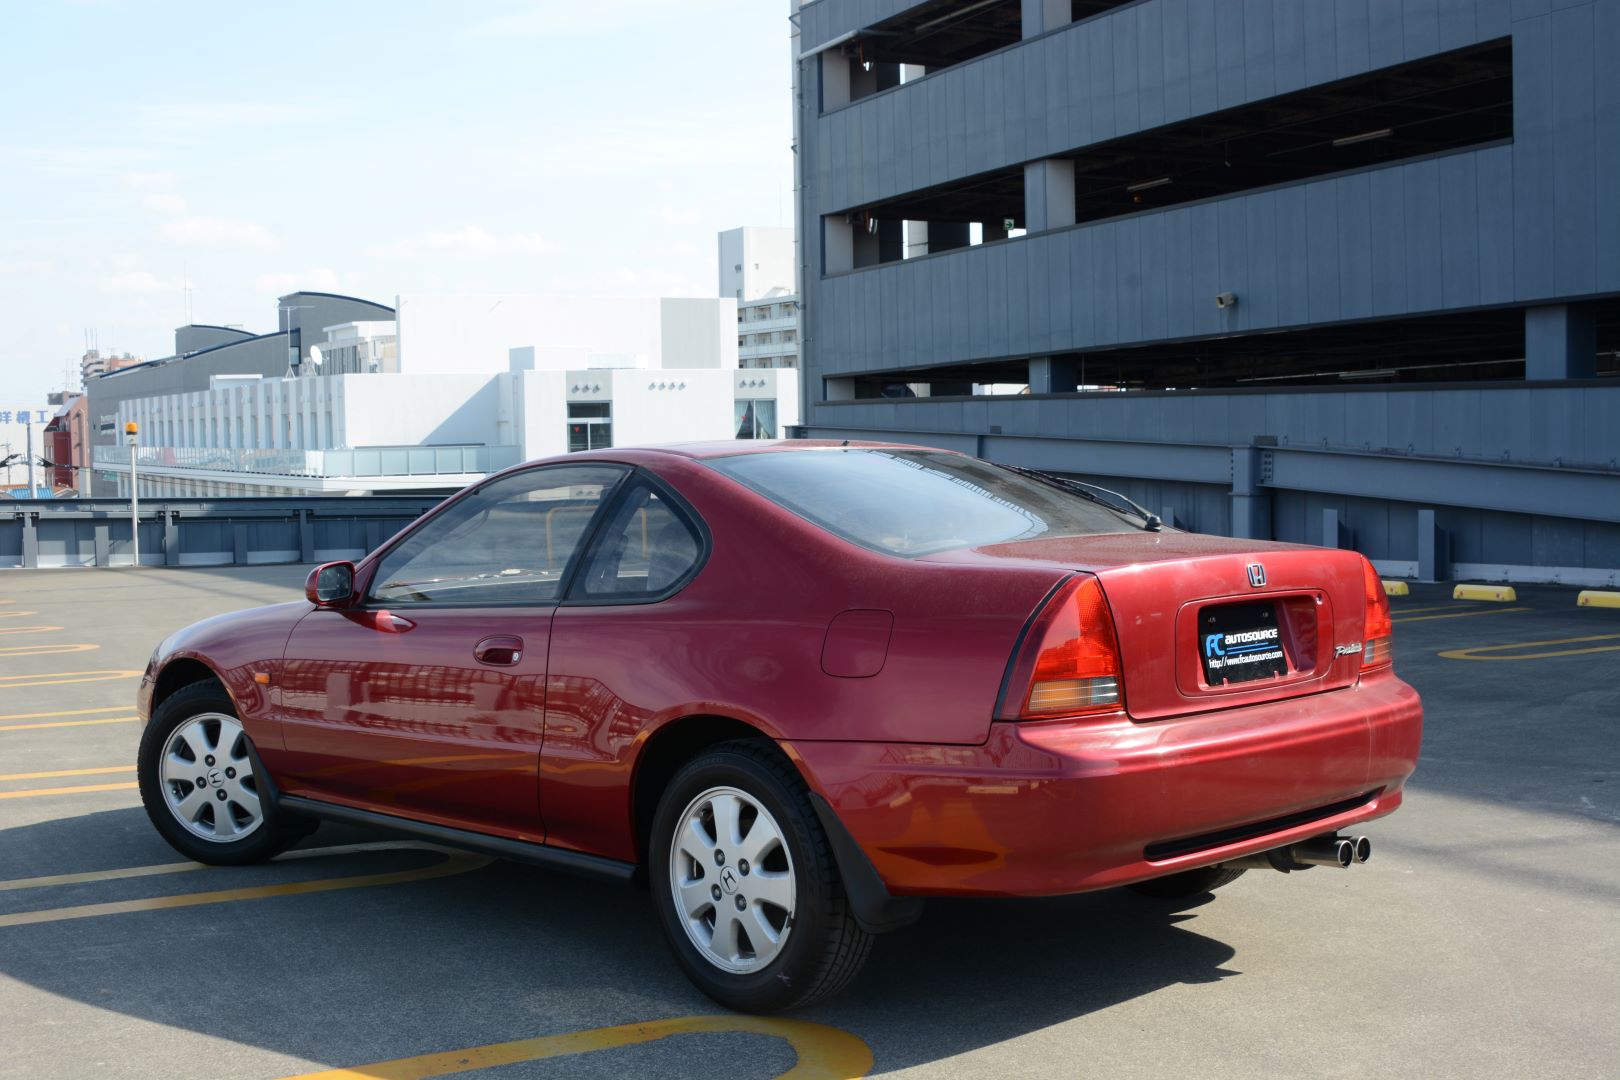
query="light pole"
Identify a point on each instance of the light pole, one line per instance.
(132, 437)
(28, 434)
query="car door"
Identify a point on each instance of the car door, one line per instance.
(426, 696)
(620, 635)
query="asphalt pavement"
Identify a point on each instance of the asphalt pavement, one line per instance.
(1480, 941)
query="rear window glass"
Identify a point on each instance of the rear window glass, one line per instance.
(914, 502)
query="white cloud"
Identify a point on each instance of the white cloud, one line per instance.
(212, 232)
(677, 216)
(468, 240)
(211, 114)
(137, 283)
(166, 204)
(149, 181)
(282, 283)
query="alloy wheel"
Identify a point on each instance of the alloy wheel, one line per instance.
(208, 781)
(732, 879)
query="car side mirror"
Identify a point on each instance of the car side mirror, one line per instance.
(330, 583)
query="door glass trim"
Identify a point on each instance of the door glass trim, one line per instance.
(683, 510)
(610, 495)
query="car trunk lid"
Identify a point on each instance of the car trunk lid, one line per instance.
(1206, 622)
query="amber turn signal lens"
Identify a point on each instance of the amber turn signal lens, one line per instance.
(1378, 634)
(1077, 668)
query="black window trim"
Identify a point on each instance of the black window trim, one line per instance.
(594, 536)
(610, 496)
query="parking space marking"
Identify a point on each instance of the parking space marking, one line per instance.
(70, 723)
(44, 650)
(34, 793)
(455, 862)
(28, 629)
(16, 614)
(62, 678)
(1463, 614)
(1470, 653)
(90, 876)
(825, 1052)
(102, 771)
(62, 712)
(1397, 610)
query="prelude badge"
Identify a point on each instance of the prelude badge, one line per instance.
(1257, 575)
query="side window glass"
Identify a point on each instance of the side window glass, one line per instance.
(508, 543)
(644, 549)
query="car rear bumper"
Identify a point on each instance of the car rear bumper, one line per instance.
(1069, 806)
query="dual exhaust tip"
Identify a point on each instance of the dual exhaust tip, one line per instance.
(1325, 850)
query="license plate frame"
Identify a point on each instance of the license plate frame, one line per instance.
(1241, 643)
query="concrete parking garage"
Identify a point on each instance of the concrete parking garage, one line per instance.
(1478, 942)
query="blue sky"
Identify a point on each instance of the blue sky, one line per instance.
(369, 149)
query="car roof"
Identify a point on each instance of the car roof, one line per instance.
(734, 447)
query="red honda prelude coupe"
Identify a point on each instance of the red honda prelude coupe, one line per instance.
(794, 688)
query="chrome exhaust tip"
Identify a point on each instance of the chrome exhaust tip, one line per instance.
(1361, 848)
(1324, 851)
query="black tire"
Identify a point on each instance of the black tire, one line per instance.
(275, 832)
(826, 947)
(1186, 884)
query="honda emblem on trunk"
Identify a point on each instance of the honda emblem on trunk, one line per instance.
(1257, 575)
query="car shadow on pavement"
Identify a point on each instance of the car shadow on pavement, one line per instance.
(509, 951)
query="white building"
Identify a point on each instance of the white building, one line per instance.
(459, 387)
(756, 269)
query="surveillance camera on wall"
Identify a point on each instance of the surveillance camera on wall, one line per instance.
(1226, 299)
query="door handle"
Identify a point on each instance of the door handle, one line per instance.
(500, 651)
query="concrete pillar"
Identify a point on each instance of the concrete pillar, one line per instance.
(1043, 15)
(1251, 503)
(1048, 194)
(1334, 534)
(948, 235)
(1053, 375)
(837, 244)
(865, 243)
(916, 239)
(834, 79)
(1434, 549)
(1560, 342)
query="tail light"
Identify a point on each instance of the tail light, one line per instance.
(1069, 662)
(1378, 634)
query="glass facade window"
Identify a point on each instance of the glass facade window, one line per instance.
(755, 419)
(590, 425)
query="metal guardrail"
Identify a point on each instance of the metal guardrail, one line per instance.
(201, 532)
(362, 462)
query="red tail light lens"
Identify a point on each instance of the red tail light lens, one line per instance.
(1378, 635)
(1071, 656)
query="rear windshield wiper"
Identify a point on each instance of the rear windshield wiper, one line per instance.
(1105, 497)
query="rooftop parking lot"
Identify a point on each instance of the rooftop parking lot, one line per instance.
(1479, 941)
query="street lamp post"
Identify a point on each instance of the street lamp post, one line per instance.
(132, 437)
(28, 430)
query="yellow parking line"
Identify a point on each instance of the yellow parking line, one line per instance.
(455, 862)
(62, 712)
(1469, 654)
(98, 875)
(44, 650)
(34, 793)
(61, 678)
(28, 629)
(67, 772)
(1463, 614)
(1396, 609)
(70, 723)
(825, 1053)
